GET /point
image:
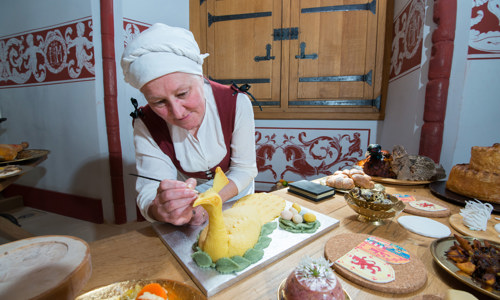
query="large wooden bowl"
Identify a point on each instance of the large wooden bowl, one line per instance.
(44, 267)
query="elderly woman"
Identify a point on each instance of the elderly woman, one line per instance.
(188, 128)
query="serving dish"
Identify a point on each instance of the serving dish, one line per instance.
(26, 156)
(438, 250)
(377, 206)
(179, 289)
(375, 216)
(281, 292)
(20, 170)
(400, 182)
(439, 189)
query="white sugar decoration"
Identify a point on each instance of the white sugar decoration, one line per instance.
(316, 273)
(476, 214)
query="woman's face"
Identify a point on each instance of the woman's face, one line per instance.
(178, 99)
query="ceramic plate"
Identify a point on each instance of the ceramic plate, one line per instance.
(281, 292)
(179, 289)
(438, 249)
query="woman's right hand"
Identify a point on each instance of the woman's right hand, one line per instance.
(173, 202)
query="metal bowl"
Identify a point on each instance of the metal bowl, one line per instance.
(375, 216)
(375, 206)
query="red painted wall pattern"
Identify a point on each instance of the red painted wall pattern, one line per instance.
(484, 40)
(305, 153)
(57, 54)
(407, 39)
(132, 29)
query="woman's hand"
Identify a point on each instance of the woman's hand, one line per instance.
(173, 203)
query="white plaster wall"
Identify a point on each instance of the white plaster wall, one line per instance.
(63, 118)
(406, 95)
(473, 108)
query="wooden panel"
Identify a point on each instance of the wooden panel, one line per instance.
(342, 40)
(348, 43)
(236, 43)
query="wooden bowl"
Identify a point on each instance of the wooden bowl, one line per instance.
(44, 267)
(176, 290)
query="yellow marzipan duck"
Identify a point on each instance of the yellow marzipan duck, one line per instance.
(231, 232)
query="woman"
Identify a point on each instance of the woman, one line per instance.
(189, 127)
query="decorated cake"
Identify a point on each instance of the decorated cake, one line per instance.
(480, 178)
(236, 237)
(313, 279)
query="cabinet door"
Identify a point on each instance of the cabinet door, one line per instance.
(333, 61)
(241, 45)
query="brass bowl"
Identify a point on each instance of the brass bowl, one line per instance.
(371, 215)
(181, 290)
(375, 206)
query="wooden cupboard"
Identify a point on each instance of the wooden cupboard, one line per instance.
(309, 59)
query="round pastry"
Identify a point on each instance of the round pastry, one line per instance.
(313, 279)
(473, 183)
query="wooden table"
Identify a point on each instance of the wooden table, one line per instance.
(142, 255)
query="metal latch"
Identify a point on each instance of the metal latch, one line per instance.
(282, 34)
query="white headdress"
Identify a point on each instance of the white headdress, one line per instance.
(158, 51)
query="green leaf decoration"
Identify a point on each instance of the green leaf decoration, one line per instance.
(202, 259)
(263, 242)
(242, 262)
(290, 226)
(254, 255)
(226, 265)
(268, 228)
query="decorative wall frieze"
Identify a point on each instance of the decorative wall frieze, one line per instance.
(60, 53)
(306, 153)
(407, 39)
(484, 38)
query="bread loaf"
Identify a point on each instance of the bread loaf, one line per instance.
(349, 178)
(9, 151)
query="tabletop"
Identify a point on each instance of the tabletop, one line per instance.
(142, 255)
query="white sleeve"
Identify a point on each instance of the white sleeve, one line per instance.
(151, 162)
(243, 167)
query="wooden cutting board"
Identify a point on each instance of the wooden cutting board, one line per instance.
(456, 221)
(45, 267)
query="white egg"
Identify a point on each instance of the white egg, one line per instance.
(293, 210)
(297, 219)
(286, 214)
